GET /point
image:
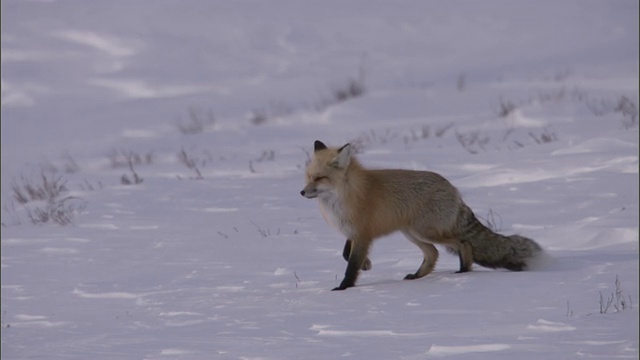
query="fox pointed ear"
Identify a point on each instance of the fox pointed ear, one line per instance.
(318, 145)
(343, 158)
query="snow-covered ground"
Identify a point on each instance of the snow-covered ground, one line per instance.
(180, 131)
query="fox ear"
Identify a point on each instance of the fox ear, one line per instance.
(343, 158)
(318, 145)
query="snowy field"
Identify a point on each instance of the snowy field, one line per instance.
(153, 153)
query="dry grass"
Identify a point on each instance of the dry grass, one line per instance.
(120, 158)
(45, 200)
(197, 121)
(617, 300)
(46, 189)
(191, 163)
(135, 178)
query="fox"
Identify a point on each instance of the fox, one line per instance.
(366, 204)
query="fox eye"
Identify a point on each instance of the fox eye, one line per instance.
(319, 178)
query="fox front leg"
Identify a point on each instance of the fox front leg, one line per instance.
(347, 251)
(357, 257)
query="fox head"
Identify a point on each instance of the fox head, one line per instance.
(326, 170)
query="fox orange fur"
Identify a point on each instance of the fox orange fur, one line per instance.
(367, 204)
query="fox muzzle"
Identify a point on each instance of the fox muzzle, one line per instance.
(309, 194)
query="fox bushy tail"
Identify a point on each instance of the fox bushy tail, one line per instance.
(494, 250)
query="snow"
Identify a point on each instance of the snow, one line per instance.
(529, 108)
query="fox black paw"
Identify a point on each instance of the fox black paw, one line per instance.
(342, 287)
(367, 265)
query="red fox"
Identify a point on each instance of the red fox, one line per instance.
(367, 204)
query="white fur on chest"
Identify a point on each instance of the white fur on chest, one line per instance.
(335, 213)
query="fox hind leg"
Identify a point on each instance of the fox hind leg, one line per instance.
(465, 253)
(346, 252)
(429, 252)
